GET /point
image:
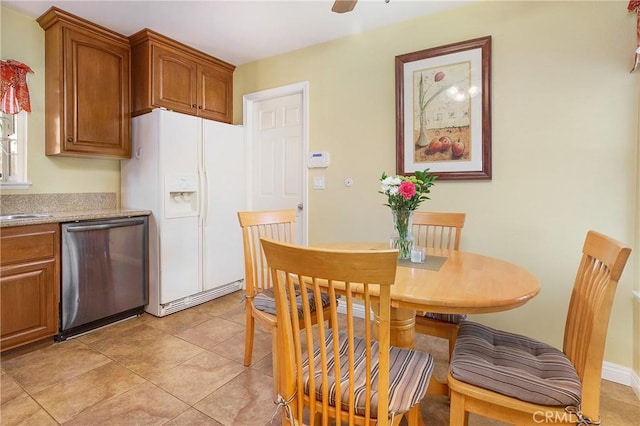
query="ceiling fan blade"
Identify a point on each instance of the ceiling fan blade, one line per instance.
(342, 6)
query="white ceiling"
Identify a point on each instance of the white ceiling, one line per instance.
(241, 31)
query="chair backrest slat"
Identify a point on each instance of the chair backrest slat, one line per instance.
(603, 260)
(307, 278)
(438, 230)
(273, 224)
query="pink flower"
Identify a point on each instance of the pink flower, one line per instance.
(407, 190)
(439, 76)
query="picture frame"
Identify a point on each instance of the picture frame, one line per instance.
(443, 110)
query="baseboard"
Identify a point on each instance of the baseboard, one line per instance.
(622, 375)
(193, 300)
(358, 310)
(635, 383)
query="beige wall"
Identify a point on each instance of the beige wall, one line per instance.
(565, 143)
(48, 174)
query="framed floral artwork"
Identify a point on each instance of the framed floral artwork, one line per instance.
(443, 110)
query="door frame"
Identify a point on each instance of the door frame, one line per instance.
(248, 103)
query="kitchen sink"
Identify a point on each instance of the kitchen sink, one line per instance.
(17, 216)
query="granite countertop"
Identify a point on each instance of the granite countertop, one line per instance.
(65, 207)
(72, 216)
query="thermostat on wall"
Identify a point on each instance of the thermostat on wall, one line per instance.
(318, 159)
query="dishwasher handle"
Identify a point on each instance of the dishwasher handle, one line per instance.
(109, 225)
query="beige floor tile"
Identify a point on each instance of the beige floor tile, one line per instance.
(163, 354)
(439, 350)
(264, 365)
(43, 353)
(79, 376)
(145, 404)
(178, 321)
(233, 347)
(193, 417)
(66, 399)
(126, 341)
(198, 377)
(619, 392)
(9, 389)
(475, 420)
(23, 410)
(110, 330)
(616, 412)
(211, 333)
(245, 400)
(237, 315)
(223, 305)
(55, 364)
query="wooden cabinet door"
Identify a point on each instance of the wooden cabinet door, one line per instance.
(29, 284)
(96, 104)
(215, 88)
(174, 81)
(28, 303)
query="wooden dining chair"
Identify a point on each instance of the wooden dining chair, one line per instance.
(523, 381)
(260, 302)
(438, 230)
(335, 370)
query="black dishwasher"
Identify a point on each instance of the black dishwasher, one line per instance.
(104, 273)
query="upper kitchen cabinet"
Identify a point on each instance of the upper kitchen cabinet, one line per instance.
(87, 88)
(166, 73)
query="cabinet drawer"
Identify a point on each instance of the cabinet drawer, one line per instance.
(24, 244)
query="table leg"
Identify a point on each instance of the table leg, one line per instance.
(402, 332)
(402, 328)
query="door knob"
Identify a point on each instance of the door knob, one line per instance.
(300, 207)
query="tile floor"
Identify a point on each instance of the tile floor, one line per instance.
(184, 369)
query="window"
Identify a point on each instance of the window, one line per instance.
(13, 144)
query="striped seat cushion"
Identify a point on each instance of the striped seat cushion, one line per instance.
(265, 301)
(452, 318)
(514, 365)
(409, 374)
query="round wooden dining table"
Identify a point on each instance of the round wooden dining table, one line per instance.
(450, 281)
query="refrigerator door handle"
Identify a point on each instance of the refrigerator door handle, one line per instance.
(204, 195)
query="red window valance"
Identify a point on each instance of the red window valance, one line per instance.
(634, 6)
(14, 92)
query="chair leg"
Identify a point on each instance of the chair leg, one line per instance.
(414, 416)
(275, 361)
(248, 337)
(458, 416)
(452, 343)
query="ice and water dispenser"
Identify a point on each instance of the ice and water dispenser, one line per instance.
(181, 195)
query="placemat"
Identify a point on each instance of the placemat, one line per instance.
(432, 263)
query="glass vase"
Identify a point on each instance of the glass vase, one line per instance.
(401, 237)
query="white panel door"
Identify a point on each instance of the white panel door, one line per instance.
(225, 195)
(277, 156)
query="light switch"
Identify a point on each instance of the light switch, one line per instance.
(318, 182)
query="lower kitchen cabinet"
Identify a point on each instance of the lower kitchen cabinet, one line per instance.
(29, 284)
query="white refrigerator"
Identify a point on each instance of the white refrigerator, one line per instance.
(190, 172)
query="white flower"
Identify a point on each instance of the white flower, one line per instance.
(390, 184)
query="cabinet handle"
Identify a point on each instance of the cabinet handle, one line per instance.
(199, 106)
(193, 105)
(69, 139)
